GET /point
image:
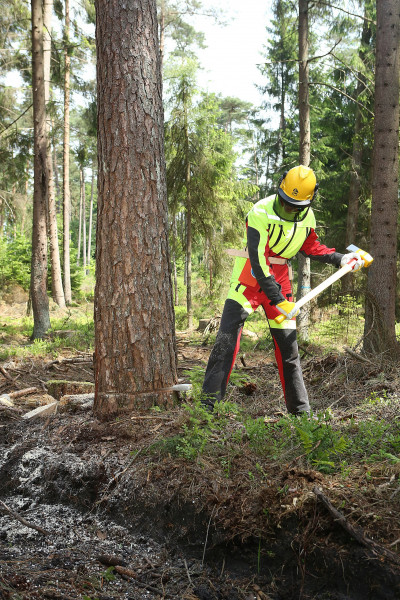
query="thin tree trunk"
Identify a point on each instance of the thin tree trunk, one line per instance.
(135, 356)
(188, 228)
(40, 301)
(56, 177)
(56, 278)
(162, 32)
(23, 218)
(83, 219)
(356, 162)
(78, 256)
(174, 269)
(89, 246)
(304, 274)
(66, 189)
(184, 236)
(380, 317)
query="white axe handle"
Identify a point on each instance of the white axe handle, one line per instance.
(320, 288)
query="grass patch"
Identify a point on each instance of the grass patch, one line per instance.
(76, 321)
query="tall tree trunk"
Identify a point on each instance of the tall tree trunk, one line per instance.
(304, 275)
(356, 161)
(83, 219)
(78, 254)
(174, 268)
(56, 278)
(66, 189)
(162, 32)
(380, 305)
(56, 177)
(40, 301)
(135, 355)
(188, 227)
(89, 246)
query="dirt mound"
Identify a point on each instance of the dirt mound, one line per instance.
(182, 529)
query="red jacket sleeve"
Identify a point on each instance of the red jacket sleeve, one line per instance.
(312, 248)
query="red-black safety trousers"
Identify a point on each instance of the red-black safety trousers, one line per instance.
(223, 354)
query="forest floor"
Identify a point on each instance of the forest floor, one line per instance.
(174, 503)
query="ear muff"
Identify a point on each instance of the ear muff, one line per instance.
(282, 178)
(315, 194)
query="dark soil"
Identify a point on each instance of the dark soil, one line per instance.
(125, 520)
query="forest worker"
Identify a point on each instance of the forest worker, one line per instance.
(277, 228)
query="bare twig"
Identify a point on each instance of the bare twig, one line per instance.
(358, 356)
(6, 375)
(346, 11)
(335, 89)
(327, 53)
(187, 571)
(23, 521)
(11, 124)
(356, 533)
(206, 540)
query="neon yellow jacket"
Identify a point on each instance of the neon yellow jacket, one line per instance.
(268, 235)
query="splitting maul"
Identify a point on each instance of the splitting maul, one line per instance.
(367, 258)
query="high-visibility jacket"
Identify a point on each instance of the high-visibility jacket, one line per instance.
(269, 235)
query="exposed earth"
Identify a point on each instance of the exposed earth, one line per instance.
(121, 517)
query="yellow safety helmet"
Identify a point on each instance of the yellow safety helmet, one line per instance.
(298, 187)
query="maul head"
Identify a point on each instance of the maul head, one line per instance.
(367, 258)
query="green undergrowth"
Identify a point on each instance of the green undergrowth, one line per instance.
(321, 442)
(74, 330)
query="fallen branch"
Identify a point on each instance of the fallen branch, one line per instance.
(6, 375)
(74, 360)
(23, 521)
(25, 392)
(358, 356)
(356, 533)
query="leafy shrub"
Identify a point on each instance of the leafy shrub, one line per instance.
(15, 263)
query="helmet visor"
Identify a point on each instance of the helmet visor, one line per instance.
(300, 204)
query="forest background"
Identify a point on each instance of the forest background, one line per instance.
(237, 150)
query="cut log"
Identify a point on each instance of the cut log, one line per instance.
(59, 388)
(24, 392)
(5, 400)
(202, 324)
(41, 411)
(76, 401)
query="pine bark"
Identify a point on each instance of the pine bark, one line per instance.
(304, 273)
(380, 305)
(66, 188)
(135, 355)
(40, 301)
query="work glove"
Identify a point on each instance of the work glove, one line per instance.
(346, 258)
(288, 309)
